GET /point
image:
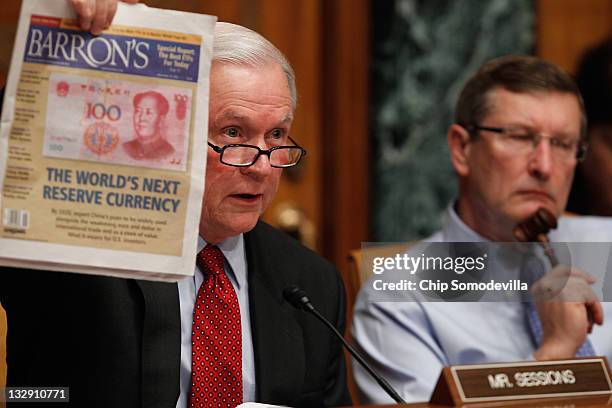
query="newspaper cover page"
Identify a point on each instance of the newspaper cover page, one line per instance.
(102, 142)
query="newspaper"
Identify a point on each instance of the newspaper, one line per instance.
(103, 142)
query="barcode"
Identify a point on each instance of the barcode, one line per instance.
(14, 218)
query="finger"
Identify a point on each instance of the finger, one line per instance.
(99, 20)
(566, 272)
(576, 288)
(559, 271)
(582, 274)
(587, 294)
(590, 317)
(110, 13)
(596, 311)
(130, 1)
(84, 10)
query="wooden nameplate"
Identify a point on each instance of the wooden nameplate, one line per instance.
(522, 380)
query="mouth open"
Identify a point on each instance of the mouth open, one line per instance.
(248, 198)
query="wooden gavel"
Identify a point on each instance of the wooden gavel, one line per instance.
(535, 229)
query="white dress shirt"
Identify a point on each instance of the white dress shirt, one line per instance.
(236, 268)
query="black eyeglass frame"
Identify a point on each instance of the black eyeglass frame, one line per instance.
(221, 150)
(581, 148)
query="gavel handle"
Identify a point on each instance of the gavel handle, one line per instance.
(554, 261)
(550, 253)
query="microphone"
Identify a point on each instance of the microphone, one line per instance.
(300, 300)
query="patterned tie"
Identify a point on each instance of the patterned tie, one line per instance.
(216, 339)
(585, 350)
(535, 270)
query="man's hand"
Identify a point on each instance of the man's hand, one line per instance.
(568, 308)
(96, 15)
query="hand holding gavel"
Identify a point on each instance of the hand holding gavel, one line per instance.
(563, 284)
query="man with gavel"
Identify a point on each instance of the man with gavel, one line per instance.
(518, 133)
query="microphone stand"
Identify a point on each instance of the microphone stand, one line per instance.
(299, 299)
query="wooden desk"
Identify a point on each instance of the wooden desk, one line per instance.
(579, 402)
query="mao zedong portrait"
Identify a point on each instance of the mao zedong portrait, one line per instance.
(149, 142)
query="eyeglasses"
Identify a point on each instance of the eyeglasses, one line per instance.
(523, 141)
(244, 155)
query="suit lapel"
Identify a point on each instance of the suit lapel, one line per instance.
(161, 342)
(277, 336)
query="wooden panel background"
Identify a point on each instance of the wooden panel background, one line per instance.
(566, 28)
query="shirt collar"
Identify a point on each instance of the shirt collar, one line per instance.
(455, 230)
(233, 251)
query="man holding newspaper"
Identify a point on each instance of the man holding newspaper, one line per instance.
(225, 335)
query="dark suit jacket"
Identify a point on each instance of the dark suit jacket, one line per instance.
(116, 342)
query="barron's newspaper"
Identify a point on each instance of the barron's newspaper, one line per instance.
(103, 142)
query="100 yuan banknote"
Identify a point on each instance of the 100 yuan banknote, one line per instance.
(117, 121)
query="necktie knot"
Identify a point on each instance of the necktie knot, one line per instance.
(210, 260)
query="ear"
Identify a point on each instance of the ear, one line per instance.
(459, 147)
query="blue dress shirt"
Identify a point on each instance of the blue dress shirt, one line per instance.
(409, 342)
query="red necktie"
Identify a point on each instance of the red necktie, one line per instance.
(216, 337)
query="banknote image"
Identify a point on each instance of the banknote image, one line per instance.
(120, 122)
(150, 109)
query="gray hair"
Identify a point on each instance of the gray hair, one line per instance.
(235, 44)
